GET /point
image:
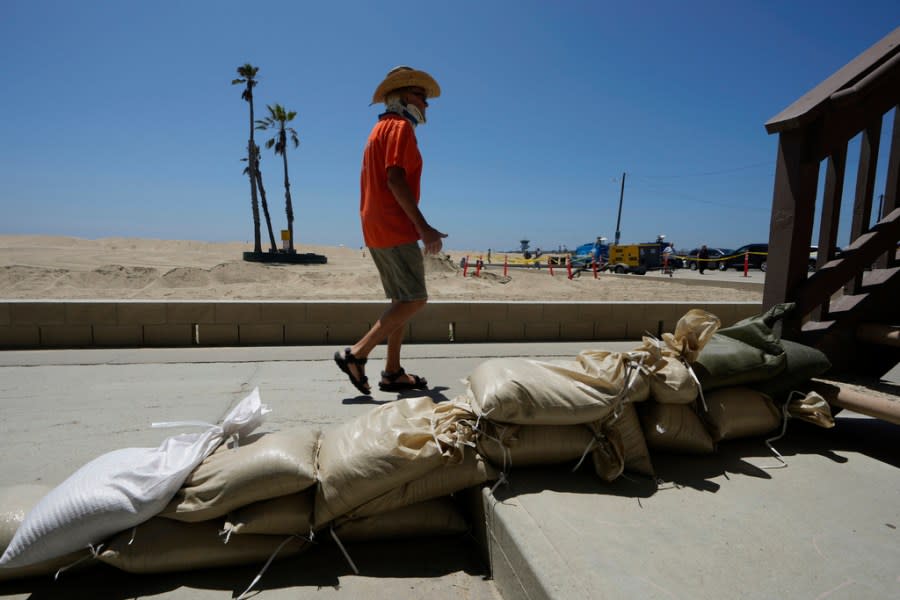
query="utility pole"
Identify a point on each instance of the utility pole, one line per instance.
(619, 219)
(880, 214)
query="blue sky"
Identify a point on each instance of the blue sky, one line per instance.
(119, 118)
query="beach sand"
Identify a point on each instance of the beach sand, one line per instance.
(48, 267)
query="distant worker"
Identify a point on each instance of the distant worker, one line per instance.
(702, 258)
(392, 224)
(668, 253)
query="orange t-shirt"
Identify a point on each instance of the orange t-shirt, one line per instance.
(392, 143)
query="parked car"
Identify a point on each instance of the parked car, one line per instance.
(814, 256)
(714, 253)
(758, 259)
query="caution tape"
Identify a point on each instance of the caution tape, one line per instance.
(719, 258)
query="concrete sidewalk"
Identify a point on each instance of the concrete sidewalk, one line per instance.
(713, 527)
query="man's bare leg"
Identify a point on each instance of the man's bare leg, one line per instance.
(392, 320)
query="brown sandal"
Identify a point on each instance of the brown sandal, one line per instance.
(418, 383)
(344, 362)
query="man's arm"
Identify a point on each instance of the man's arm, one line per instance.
(431, 237)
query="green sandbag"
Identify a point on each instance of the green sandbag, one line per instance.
(726, 362)
(749, 351)
(758, 330)
(803, 363)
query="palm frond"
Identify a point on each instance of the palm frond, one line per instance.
(237, 81)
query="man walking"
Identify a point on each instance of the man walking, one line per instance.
(392, 224)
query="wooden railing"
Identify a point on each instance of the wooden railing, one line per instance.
(857, 285)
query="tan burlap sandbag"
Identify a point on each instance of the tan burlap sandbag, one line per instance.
(736, 412)
(675, 428)
(532, 392)
(636, 456)
(692, 332)
(671, 379)
(383, 449)
(672, 383)
(442, 481)
(163, 546)
(433, 517)
(15, 502)
(618, 370)
(286, 515)
(266, 466)
(506, 445)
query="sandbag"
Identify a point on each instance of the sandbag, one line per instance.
(737, 412)
(531, 392)
(692, 332)
(802, 364)
(674, 428)
(431, 518)
(265, 466)
(15, 502)
(671, 382)
(636, 456)
(120, 489)
(747, 352)
(443, 481)
(608, 454)
(286, 515)
(617, 371)
(163, 546)
(728, 362)
(508, 446)
(391, 445)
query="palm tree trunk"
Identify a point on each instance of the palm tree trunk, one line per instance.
(288, 207)
(265, 206)
(254, 201)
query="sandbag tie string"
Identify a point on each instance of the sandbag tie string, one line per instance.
(95, 553)
(265, 567)
(784, 423)
(343, 550)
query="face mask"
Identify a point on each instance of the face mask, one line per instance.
(408, 111)
(414, 113)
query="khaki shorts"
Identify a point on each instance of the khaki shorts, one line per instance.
(402, 271)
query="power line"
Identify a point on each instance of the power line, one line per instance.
(767, 163)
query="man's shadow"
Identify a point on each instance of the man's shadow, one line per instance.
(435, 393)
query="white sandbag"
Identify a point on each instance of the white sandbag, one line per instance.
(531, 392)
(267, 466)
(287, 515)
(391, 445)
(442, 481)
(15, 502)
(431, 518)
(736, 412)
(674, 427)
(166, 546)
(120, 489)
(508, 446)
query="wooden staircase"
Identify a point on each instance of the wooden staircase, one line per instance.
(850, 306)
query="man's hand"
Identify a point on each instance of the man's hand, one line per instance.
(433, 239)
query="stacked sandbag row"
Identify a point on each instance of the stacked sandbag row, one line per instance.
(389, 473)
(727, 383)
(534, 412)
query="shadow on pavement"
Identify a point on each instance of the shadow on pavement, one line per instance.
(322, 566)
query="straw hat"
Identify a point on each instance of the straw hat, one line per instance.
(403, 76)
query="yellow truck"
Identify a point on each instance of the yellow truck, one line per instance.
(634, 258)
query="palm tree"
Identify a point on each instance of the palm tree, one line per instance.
(262, 197)
(247, 73)
(278, 119)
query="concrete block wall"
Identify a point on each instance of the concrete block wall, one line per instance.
(126, 323)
